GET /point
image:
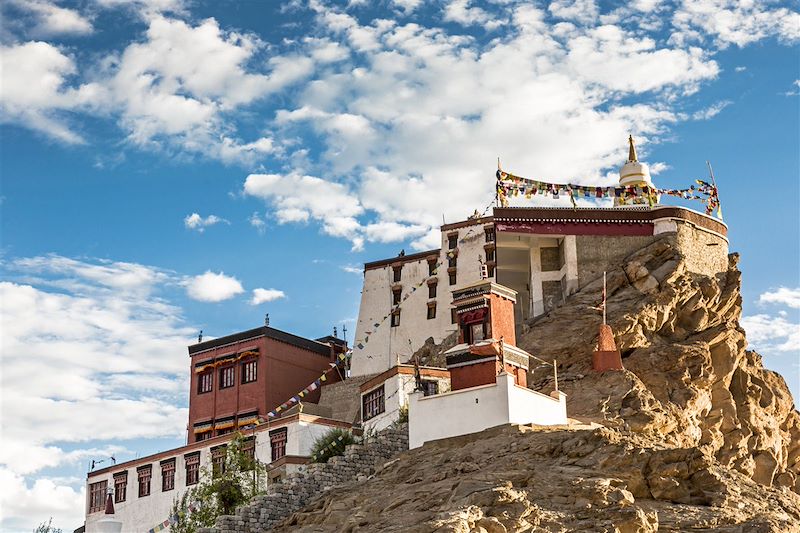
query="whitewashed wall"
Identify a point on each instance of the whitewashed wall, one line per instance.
(389, 346)
(141, 514)
(397, 390)
(443, 415)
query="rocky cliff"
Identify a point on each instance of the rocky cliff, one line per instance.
(694, 435)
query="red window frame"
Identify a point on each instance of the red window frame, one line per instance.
(167, 475)
(97, 496)
(144, 474)
(192, 468)
(120, 486)
(277, 441)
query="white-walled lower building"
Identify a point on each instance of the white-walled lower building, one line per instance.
(477, 408)
(145, 488)
(386, 395)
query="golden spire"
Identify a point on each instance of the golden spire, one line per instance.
(631, 149)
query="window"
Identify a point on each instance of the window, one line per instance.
(192, 468)
(489, 234)
(490, 271)
(430, 387)
(249, 451)
(120, 486)
(477, 332)
(396, 295)
(431, 311)
(452, 278)
(373, 403)
(144, 473)
(226, 377)
(218, 460)
(490, 254)
(203, 436)
(249, 371)
(97, 496)
(167, 475)
(452, 261)
(452, 241)
(453, 316)
(431, 268)
(397, 273)
(432, 290)
(224, 431)
(204, 382)
(277, 440)
(395, 318)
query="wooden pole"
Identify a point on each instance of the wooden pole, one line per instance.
(555, 372)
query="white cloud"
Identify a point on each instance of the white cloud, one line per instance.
(733, 22)
(783, 296)
(213, 287)
(711, 111)
(257, 222)
(461, 12)
(584, 11)
(740, 69)
(261, 296)
(350, 269)
(772, 333)
(74, 333)
(51, 19)
(197, 222)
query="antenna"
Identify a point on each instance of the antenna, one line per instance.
(335, 333)
(266, 320)
(200, 337)
(344, 334)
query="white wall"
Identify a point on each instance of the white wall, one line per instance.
(387, 345)
(475, 409)
(141, 514)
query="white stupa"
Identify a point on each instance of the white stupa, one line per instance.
(634, 174)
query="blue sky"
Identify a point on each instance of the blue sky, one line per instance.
(170, 166)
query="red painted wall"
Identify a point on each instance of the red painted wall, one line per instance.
(464, 377)
(282, 371)
(502, 319)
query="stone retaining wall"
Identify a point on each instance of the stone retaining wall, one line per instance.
(358, 462)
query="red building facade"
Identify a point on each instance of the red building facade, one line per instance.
(238, 378)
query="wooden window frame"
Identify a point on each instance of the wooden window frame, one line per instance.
(249, 371)
(395, 318)
(205, 382)
(97, 496)
(397, 296)
(373, 403)
(453, 279)
(491, 234)
(192, 464)
(432, 290)
(430, 387)
(144, 474)
(218, 456)
(277, 443)
(431, 268)
(120, 486)
(431, 311)
(227, 377)
(452, 241)
(167, 475)
(397, 273)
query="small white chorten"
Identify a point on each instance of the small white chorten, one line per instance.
(633, 174)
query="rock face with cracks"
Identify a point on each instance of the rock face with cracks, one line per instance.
(694, 435)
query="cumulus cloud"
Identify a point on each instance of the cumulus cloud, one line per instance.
(790, 297)
(74, 332)
(261, 296)
(197, 222)
(257, 222)
(711, 111)
(213, 287)
(50, 19)
(779, 332)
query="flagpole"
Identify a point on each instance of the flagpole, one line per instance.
(604, 298)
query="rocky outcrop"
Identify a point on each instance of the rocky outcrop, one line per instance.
(577, 478)
(689, 379)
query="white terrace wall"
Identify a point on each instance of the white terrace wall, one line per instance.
(477, 408)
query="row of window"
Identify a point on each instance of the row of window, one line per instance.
(227, 376)
(452, 243)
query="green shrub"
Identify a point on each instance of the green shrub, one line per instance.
(330, 444)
